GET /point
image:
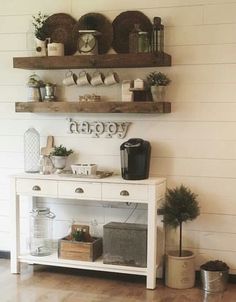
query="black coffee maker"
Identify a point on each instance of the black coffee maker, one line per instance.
(135, 159)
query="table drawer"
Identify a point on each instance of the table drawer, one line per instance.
(124, 192)
(36, 187)
(79, 190)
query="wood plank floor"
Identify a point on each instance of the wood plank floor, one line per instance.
(47, 284)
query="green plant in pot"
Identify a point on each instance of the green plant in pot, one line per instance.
(180, 206)
(40, 34)
(59, 157)
(157, 82)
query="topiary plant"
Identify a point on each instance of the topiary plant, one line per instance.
(61, 151)
(180, 206)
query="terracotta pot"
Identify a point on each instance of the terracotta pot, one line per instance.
(180, 271)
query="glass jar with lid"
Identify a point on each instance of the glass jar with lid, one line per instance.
(41, 231)
(133, 38)
(143, 41)
(45, 165)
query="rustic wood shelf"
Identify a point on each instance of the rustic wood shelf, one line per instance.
(93, 107)
(127, 60)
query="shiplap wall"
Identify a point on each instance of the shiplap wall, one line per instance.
(194, 145)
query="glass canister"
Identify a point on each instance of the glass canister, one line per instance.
(157, 41)
(45, 165)
(31, 150)
(133, 39)
(41, 228)
(143, 41)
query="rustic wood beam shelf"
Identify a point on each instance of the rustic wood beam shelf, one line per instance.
(127, 60)
(93, 107)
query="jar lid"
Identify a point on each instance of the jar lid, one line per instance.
(142, 32)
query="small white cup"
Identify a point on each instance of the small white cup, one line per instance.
(55, 49)
(111, 78)
(83, 79)
(97, 79)
(70, 79)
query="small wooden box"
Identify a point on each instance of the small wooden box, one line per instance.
(78, 250)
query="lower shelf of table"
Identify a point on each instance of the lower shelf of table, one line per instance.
(98, 265)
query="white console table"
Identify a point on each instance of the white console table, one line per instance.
(112, 189)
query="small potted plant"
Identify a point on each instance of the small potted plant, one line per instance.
(40, 35)
(59, 156)
(34, 86)
(214, 275)
(157, 82)
(180, 206)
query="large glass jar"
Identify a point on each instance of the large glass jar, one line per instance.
(41, 228)
(133, 39)
(143, 41)
(31, 150)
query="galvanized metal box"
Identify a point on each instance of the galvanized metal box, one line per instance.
(125, 244)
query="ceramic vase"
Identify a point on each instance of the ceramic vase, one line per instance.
(40, 48)
(158, 93)
(59, 163)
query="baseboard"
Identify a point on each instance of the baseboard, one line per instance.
(5, 255)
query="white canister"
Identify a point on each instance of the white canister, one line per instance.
(55, 49)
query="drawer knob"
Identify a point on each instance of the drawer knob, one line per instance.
(79, 190)
(36, 188)
(124, 193)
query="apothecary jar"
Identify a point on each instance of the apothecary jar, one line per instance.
(41, 231)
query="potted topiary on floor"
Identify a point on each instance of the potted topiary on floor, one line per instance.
(180, 206)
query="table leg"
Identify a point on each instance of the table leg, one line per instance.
(15, 229)
(152, 240)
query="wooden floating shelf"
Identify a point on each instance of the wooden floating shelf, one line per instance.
(93, 107)
(127, 60)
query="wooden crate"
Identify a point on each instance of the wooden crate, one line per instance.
(78, 250)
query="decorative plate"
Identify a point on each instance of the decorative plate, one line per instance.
(95, 21)
(123, 25)
(58, 28)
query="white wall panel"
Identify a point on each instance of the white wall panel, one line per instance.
(203, 54)
(221, 13)
(200, 34)
(202, 92)
(194, 167)
(14, 7)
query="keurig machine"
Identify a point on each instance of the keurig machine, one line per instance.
(135, 159)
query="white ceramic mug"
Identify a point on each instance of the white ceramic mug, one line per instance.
(97, 79)
(55, 49)
(83, 79)
(111, 78)
(70, 79)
